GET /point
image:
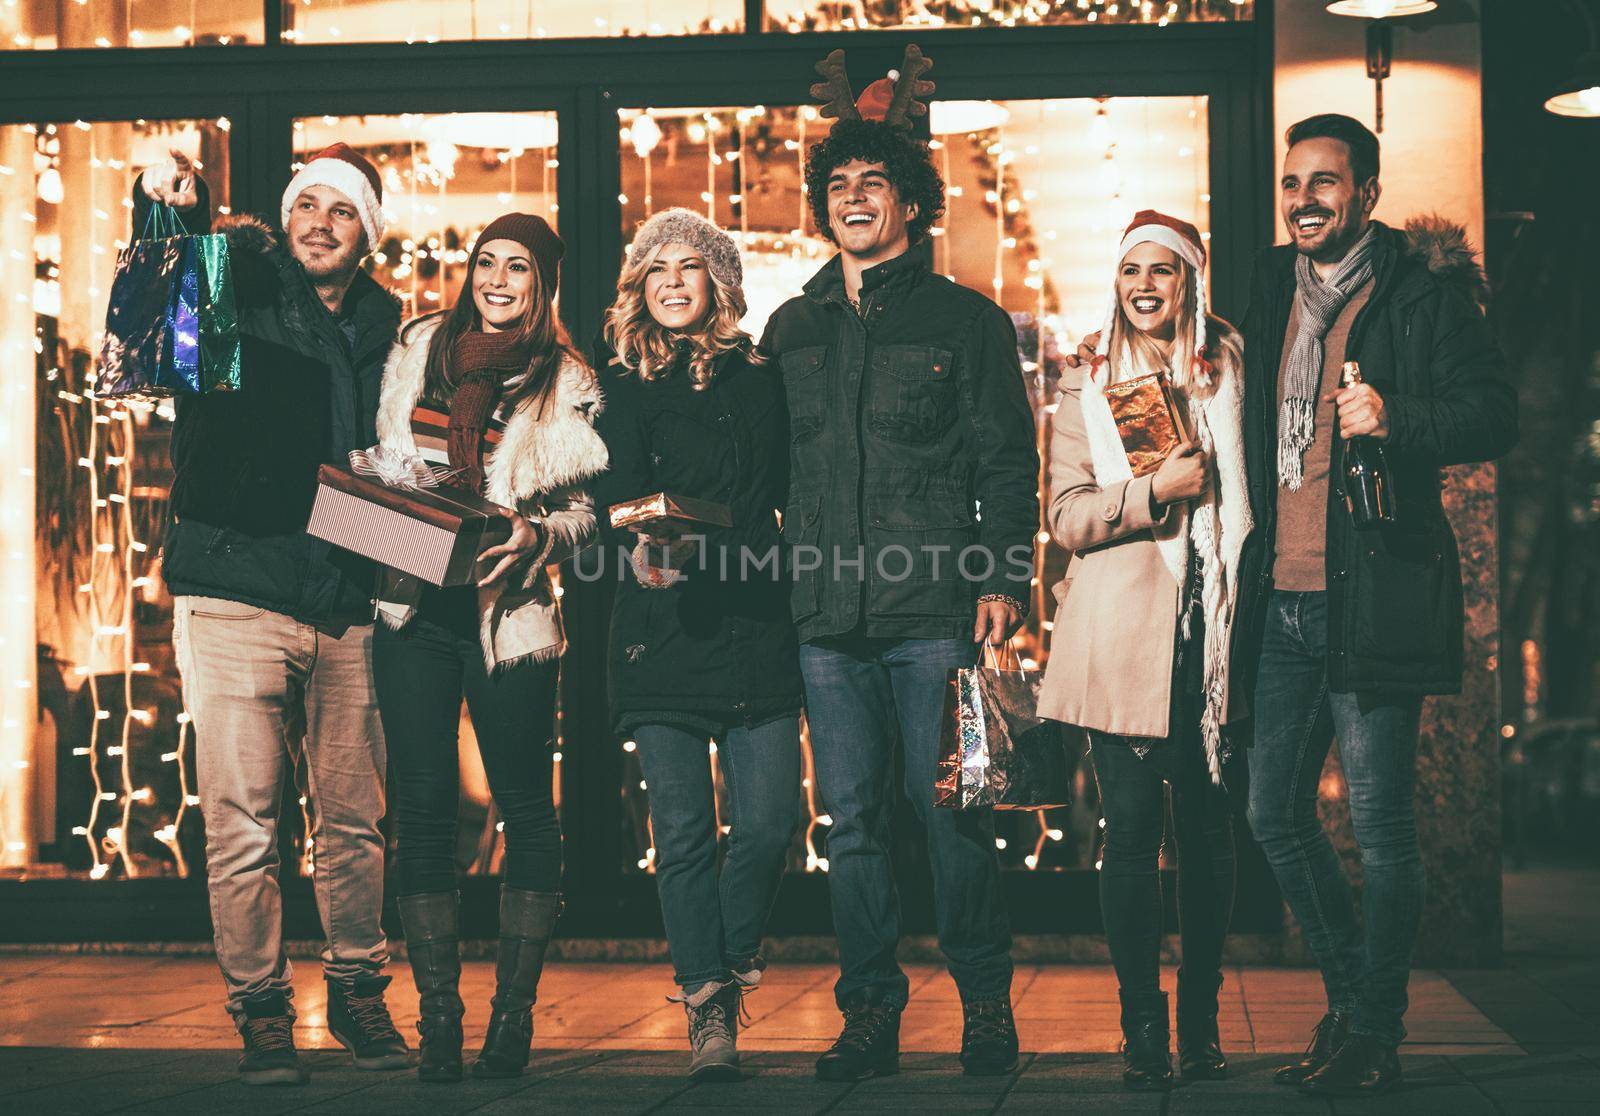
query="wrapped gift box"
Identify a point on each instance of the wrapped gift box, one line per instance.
(650, 514)
(435, 534)
(1149, 419)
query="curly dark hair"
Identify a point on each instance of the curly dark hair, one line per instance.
(909, 166)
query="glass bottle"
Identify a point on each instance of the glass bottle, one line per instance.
(1368, 491)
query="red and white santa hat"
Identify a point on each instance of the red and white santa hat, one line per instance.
(343, 168)
(1150, 227)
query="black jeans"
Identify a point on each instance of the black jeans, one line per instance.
(422, 672)
(1133, 803)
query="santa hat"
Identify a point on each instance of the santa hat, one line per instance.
(343, 168)
(1150, 227)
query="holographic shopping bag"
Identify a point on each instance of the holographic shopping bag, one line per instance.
(994, 748)
(171, 322)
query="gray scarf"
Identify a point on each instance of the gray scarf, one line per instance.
(1318, 305)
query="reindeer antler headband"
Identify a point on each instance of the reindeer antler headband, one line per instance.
(893, 100)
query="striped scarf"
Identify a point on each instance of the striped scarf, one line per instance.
(1318, 305)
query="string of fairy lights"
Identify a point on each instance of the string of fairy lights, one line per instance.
(122, 23)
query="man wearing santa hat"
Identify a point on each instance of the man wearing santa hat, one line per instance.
(272, 628)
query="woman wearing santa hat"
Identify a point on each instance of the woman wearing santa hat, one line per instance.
(494, 391)
(1142, 633)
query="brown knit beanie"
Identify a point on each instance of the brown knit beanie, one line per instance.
(534, 234)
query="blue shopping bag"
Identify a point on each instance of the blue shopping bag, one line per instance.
(171, 322)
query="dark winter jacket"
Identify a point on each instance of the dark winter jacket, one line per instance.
(719, 644)
(912, 453)
(1394, 594)
(245, 462)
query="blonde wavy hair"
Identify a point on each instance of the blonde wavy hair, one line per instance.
(650, 349)
(1134, 353)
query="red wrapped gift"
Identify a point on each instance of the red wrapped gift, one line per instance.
(435, 534)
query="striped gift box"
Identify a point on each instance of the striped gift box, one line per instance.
(435, 534)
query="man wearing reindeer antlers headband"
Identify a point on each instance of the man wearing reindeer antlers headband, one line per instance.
(908, 413)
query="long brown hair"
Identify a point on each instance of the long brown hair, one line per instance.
(539, 327)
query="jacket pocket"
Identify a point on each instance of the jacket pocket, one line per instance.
(1401, 604)
(912, 392)
(924, 558)
(802, 527)
(805, 391)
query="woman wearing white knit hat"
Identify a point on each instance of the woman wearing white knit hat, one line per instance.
(704, 659)
(1142, 634)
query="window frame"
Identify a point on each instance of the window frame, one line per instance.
(585, 82)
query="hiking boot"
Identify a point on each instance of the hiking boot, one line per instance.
(527, 920)
(713, 1011)
(432, 944)
(1146, 1053)
(268, 1031)
(358, 1018)
(1362, 1067)
(869, 1045)
(988, 1037)
(1328, 1037)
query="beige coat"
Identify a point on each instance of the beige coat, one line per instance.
(1115, 631)
(541, 467)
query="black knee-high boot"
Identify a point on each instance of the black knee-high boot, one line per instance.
(433, 945)
(527, 920)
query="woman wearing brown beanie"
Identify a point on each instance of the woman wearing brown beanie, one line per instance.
(493, 390)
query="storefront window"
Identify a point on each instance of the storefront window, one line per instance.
(431, 21)
(97, 772)
(445, 176)
(69, 24)
(855, 15)
(1037, 195)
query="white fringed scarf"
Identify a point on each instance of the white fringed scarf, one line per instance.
(1215, 529)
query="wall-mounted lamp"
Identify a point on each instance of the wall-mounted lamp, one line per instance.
(1580, 95)
(1380, 35)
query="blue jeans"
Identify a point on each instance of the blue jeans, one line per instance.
(714, 923)
(858, 692)
(1365, 973)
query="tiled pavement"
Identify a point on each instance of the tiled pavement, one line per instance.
(100, 1033)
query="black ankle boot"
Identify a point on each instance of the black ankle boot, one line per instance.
(1200, 1055)
(433, 945)
(527, 920)
(1146, 1057)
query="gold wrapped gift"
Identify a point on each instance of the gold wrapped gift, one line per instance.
(650, 514)
(1149, 419)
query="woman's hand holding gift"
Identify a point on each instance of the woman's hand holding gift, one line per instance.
(1184, 475)
(526, 538)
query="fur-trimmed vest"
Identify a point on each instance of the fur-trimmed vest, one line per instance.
(541, 467)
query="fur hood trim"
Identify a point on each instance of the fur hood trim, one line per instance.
(536, 456)
(246, 232)
(1442, 245)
